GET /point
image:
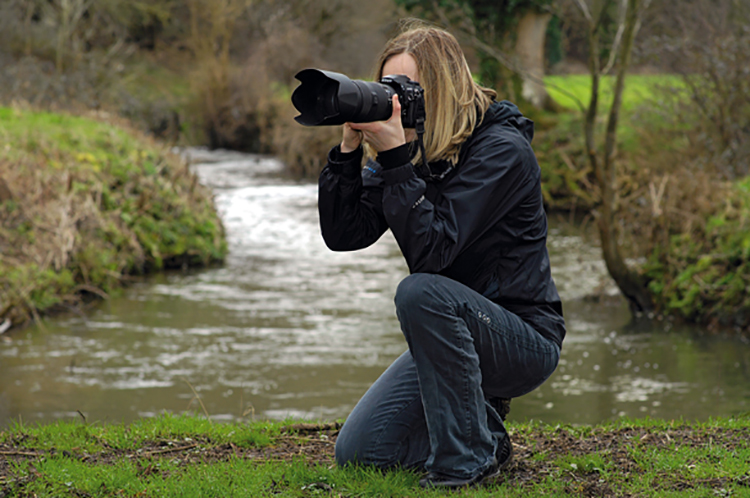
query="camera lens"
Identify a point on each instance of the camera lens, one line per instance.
(328, 98)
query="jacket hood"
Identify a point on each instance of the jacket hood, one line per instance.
(507, 113)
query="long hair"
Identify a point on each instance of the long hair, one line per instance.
(454, 103)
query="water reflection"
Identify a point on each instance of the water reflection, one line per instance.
(288, 328)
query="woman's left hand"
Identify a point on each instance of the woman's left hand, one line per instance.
(384, 135)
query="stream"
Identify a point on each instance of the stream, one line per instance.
(288, 329)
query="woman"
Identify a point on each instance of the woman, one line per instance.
(480, 312)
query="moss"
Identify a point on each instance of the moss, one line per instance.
(90, 202)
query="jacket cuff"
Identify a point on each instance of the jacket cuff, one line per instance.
(399, 175)
(393, 158)
(347, 164)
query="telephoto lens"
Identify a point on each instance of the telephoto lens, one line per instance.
(327, 98)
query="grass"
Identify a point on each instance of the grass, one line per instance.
(643, 109)
(639, 89)
(87, 201)
(176, 456)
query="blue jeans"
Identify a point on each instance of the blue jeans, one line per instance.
(429, 409)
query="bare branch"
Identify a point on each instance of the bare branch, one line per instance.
(618, 38)
(585, 10)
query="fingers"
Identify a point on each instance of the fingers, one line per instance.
(351, 139)
(383, 135)
(376, 125)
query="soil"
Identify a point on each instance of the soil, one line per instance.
(537, 455)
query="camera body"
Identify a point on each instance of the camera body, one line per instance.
(326, 98)
(410, 95)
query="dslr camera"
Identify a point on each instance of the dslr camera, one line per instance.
(327, 98)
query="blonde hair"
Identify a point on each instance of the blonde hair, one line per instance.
(454, 103)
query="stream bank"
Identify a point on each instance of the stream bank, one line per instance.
(87, 202)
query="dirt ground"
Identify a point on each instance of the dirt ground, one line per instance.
(536, 454)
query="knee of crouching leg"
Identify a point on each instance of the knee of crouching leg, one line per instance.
(348, 450)
(411, 291)
(354, 450)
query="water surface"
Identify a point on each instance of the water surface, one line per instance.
(287, 328)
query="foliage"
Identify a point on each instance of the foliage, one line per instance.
(198, 72)
(698, 258)
(87, 203)
(77, 26)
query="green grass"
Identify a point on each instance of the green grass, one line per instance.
(67, 133)
(187, 456)
(639, 90)
(644, 104)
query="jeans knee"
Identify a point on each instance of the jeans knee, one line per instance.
(356, 448)
(354, 444)
(411, 292)
(344, 452)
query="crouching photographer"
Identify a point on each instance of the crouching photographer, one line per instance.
(455, 180)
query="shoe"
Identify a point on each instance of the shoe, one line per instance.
(501, 405)
(503, 457)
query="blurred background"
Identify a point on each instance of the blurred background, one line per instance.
(286, 328)
(219, 73)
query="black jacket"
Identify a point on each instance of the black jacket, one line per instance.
(483, 224)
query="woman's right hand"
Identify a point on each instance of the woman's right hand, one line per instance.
(352, 139)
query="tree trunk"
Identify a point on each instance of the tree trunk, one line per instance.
(629, 281)
(532, 28)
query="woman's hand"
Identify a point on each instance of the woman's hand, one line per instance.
(352, 139)
(381, 135)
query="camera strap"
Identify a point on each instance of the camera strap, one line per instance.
(424, 166)
(419, 127)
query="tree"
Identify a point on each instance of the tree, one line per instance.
(509, 36)
(604, 163)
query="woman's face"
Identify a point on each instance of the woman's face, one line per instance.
(406, 65)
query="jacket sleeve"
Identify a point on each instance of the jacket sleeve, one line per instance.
(351, 216)
(496, 176)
